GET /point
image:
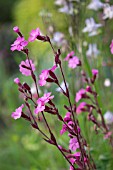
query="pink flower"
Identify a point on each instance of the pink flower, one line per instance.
(44, 75)
(17, 114)
(73, 144)
(111, 47)
(67, 117)
(80, 94)
(80, 108)
(70, 124)
(71, 168)
(69, 56)
(16, 29)
(94, 72)
(63, 130)
(42, 101)
(72, 160)
(88, 89)
(39, 108)
(53, 68)
(26, 71)
(74, 62)
(17, 80)
(107, 135)
(19, 44)
(34, 34)
(77, 155)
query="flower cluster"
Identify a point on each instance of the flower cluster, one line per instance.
(45, 74)
(76, 154)
(19, 44)
(25, 67)
(42, 101)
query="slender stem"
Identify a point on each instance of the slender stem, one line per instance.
(46, 122)
(43, 134)
(52, 47)
(67, 91)
(34, 75)
(65, 156)
(81, 149)
(38, 92)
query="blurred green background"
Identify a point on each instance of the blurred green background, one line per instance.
(21, 147)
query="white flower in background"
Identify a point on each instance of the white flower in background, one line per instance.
(70, 31)
(60, 2)
(62, 86)
(44, 13)
(33, 89)
(92, 50)
(91, 27)
(58, 37)
(85, 43)
(108, 11)
(67, 6)
(95, 5)
(107, 82)
(68, 9)
(108, 116)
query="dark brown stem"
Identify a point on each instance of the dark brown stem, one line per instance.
(67, 92)
(32, 74)
(81, 149)
(65, 157)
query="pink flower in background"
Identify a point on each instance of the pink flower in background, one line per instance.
(69, 56)
(42, 101)
(19, 44)
(111, 47)
(94, 72)
(107, 135)
(17, 114)
(34, 34)
(73, 144)
(80, 107)
(73, 62)
(80, 94)
(25, 71)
